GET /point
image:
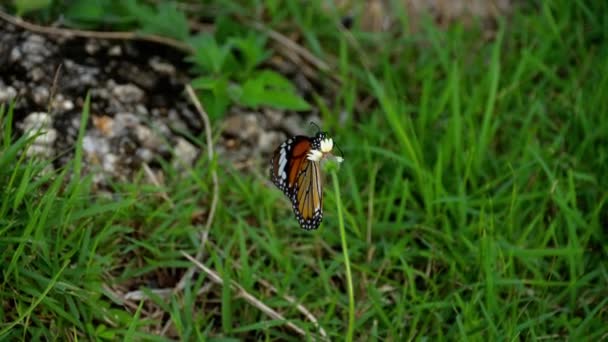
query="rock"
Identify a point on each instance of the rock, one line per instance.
(104, 124)
(184, 153)
(34, 51)
(124, 121)
(37, 74)
(293, 125)
(190, 118)
(95, 148)
(245, 126)
(109, 164)
(61, 104)
(141, 110)
(7, 94)
(274, 116)
(40, 124)
(40, 95)
(115, 51)
(92, 46)
(16, 55)
(144, 155)
(148, 138)
(128, 93)
(35, 121)
(176, 121)
(268, 141)
(161, 67)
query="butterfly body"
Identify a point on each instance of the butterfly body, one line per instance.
(296, 171)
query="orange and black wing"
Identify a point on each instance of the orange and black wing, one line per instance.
(308, 205)
(299, 179)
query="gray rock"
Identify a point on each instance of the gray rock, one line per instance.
(268, 141)
(40, 124)
(128, 93)
(246, 126)
(7, 93)
(184, 153)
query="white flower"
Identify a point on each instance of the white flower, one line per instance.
(327, 145)
(315, 155)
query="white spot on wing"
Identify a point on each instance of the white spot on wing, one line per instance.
(283, 163)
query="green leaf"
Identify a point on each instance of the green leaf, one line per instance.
(25, 6)
(166, 20)
(209, 56)
(251, 49)
(214, 94)
(269, 88)
(86, 10)
(91, 14)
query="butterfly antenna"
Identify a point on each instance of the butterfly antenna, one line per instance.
(339, 149)
(314, 124)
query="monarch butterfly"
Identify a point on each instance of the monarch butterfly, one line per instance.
(296, 170)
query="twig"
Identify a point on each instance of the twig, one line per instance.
(152, 178)
(118, 297)
(139, 295)
(164, 293)
(273, 289)
(290, 44)
(64, 32)
(299, 50)
(53, 89)
(209, 137)
(205, 233)
(241, 292)
(299, 306)
(365, 61)
(370, 204)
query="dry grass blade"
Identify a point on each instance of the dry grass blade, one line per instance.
(301, 308)
(164, 293)
(292, 48)
(245, 295)
(63, 32)
(209, 138)
(205, 233)
(292, 300)
(49, 107)
(291, 45)
(154, 180)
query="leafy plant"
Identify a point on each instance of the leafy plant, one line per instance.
(96, 13)
(165, 19)
(228, 61)
(24, 6)
(232, 76)
(271, 89)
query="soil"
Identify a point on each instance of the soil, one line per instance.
(139, 111)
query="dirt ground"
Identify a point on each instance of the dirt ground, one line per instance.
(139, 110)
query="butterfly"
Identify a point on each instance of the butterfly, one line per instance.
(296, 170)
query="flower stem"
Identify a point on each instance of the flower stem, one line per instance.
(349, 277)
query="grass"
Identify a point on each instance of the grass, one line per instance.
(473, 197)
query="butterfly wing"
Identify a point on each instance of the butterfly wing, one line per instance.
(286, 161)
(308, 206)
(299, 179)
